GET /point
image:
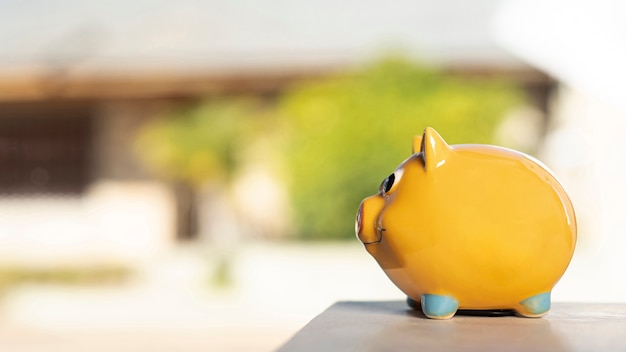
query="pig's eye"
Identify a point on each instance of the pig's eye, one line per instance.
(388, 185)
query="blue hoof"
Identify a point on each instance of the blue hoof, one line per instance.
(535, 306)
(439, 307)
(412, 303)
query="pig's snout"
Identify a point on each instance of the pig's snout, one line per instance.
(366, 227)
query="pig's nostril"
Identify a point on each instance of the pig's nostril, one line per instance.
(359, 219)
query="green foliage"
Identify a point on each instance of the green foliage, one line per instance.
(339, 136)
(346, 133)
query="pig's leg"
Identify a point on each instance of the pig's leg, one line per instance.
(412, 303)
(439, 306)
(535, 306)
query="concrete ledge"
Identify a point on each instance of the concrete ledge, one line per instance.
(393, 326)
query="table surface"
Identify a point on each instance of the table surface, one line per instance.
(392, 326)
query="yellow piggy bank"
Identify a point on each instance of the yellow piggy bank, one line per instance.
(472, 226)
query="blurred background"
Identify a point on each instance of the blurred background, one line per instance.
(185, 175)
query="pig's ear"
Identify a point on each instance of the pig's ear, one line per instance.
(435, 150)
(417, 144)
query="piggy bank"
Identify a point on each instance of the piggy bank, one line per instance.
(473, 227)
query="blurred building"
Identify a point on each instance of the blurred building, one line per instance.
(79, 79)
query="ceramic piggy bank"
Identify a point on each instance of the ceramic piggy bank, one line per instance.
(470, 226)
